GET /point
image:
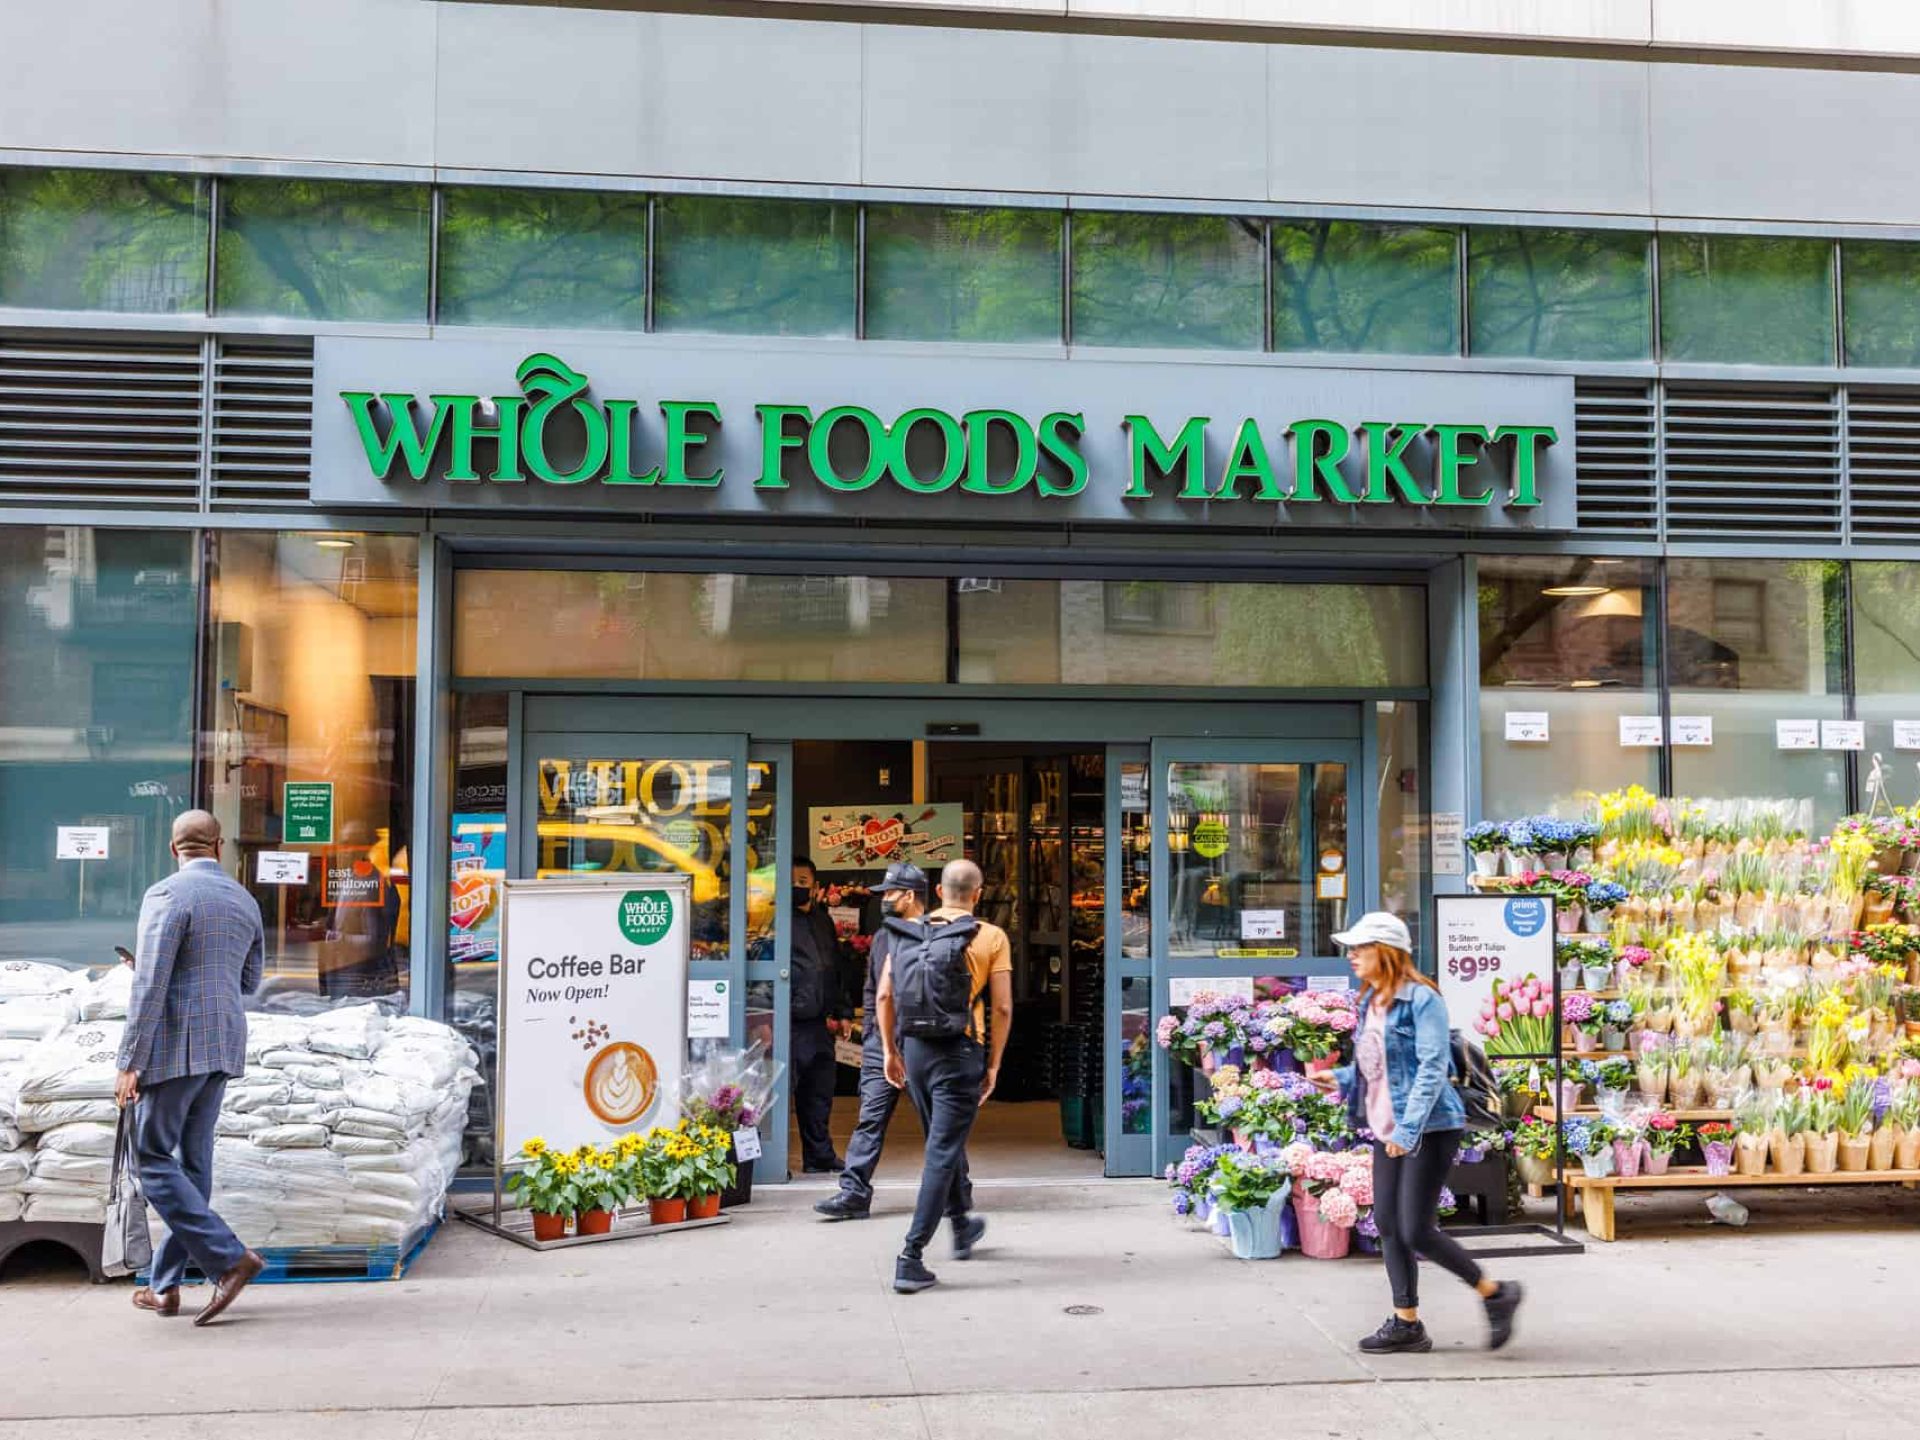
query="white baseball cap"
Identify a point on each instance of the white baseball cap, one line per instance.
(1377, 928)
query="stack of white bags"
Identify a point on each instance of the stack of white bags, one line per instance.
(345, 1129)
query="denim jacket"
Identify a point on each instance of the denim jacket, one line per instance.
(1419, 1046)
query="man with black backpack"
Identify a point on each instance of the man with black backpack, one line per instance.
(904, 894)
(934, 996)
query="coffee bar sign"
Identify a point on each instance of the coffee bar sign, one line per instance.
(839, 430)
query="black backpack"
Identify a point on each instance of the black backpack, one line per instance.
(932, 983)
(1473, 1082)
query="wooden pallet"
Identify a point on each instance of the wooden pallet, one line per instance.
(332, 1264)
(1596, 1195)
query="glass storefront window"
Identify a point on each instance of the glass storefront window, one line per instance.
(1574, 638)
(103, 240)
(945, 273)
(1750, 643)
(1400, 731)
(97, 638)
(1559, 294)
(1880, 300)
(1167, 280)
(310, 681)
(1746, 299)
(477, 863)
(753, 267)
(639, 814)
(1136, 861)
(638, 625)
(572, 259)
(1354, 288)
(1136, 1055)
(1189, 633)
(1233, 843)
(323, 250)
(1886, 669)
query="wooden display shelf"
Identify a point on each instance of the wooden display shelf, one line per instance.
(1596, 1195)
(1551, 1113)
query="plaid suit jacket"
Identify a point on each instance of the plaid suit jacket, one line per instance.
(201, 949)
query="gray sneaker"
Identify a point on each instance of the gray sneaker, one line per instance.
(967, 1231)
(911, 1276)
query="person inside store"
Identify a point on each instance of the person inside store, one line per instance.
(817, 1008)
(933, 1001)
(904, 893)
(1400, 1089)
(202, 947)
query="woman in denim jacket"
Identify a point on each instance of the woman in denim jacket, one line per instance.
(1399, 1088)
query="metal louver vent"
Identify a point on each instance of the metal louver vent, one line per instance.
(262, 423)
(100, 420)
(1615, 431)
(1752, 462)
(1883, 464)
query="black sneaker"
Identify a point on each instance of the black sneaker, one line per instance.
(1501, 1306)
(911, 1276)
(842, 1207)
(831, 1167)
(1398, 1337)
(967, 1230)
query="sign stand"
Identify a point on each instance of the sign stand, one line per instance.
(1480, 929)
(592, 1025)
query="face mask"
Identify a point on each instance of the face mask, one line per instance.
(802, 895)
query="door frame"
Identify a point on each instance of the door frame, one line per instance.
(1362, 825)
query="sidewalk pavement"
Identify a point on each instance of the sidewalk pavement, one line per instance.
(1087, 1310)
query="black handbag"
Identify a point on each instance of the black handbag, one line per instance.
(126, 1244)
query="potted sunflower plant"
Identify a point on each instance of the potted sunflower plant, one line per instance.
(550, 1183)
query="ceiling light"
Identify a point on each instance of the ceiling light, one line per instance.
(334, 544)
(1585, 685)
(1576, 590)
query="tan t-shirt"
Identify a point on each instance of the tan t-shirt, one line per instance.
(989, 953)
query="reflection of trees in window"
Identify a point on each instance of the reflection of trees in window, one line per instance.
(543, 257)
(1171, 280)
(103, 240)
(1574, 294)
(1880, 298)
(1756, 625)
(767, 267)
(1746, 299)
(323, 249)
(947, 273)
(1318, 635)
(1886, 627)
(1345, 286)
(1159, 607)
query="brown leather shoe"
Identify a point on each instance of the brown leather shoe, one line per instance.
(165, 1302)
(228, 1287)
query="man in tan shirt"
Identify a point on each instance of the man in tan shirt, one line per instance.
(948, 1062)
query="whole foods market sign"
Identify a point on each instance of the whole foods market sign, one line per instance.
(839, 430)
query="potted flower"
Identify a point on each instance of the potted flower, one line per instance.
(549, 1183)
(1663, 1135)
(1252, 1190)
(1611, 1079)
(1556, 840)
(1598, 901)
(1616, 1016)
(1515, 1084)
(1786, 1135)
(1567, 956)
(1630, 965)
(1750, 1121)
(1596, 963)
(1320, 1023)
(1325, 1212)
(1582, 1012)
(1591, 1142)
(1822, 1129)
(730, 1090)
(712, 1170)
(1716, 1146)
(1902, 1121)
(1520, 851)
(1651, 1072)
(1629, 1141)
(1533, 1147)
(1569, 891)
(1487, 843)
(670, 1170)
(1856, 1123)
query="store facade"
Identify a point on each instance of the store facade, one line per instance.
(1230, 554)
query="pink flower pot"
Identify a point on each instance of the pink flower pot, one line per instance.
(1585, 1042)
(1319, 1239)
(1719, 1158)
(1566, 920)
(1654, 1163)
(1626, 1158)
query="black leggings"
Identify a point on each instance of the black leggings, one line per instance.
(1406, 1191)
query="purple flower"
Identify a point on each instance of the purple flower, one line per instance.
(1215, 1030)
(1367, 1227)
(1230, 1107)
(1182, 1204)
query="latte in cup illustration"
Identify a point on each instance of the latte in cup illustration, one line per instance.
(622, 1083)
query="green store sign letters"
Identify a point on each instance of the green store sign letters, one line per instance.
(554, 432)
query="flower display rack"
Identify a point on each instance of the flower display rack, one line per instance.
(1596, 1195)
(629, 1223)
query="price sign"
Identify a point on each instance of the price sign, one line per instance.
(282, 867)
(1843, 735)
(1640, 732)
(746, 1144)
(1796, 734)
(1484, 938)
(1696, 730)
(1906, 734)
(1527, 727)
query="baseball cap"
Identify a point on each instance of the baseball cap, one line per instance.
(901, 875)
(1377, 927)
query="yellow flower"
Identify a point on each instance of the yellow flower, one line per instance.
(533, 1149)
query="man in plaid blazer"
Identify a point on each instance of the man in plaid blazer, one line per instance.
(201, 950)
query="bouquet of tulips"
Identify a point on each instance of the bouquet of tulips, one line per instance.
(1517, 1018)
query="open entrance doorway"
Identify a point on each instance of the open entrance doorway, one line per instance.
(1034, 818)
